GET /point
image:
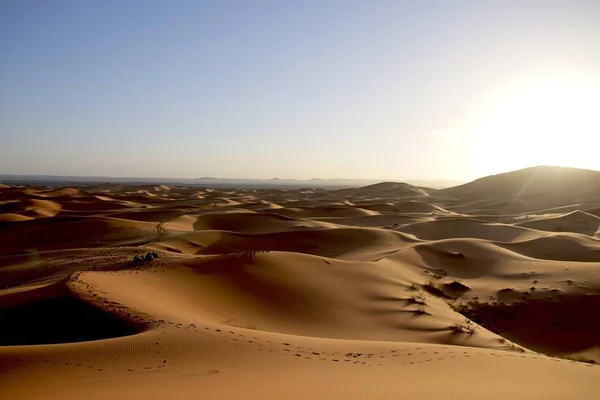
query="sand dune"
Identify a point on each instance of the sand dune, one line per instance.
(66, 233)
(344, 243)
(53, 306)
(576, 221)
(547, 186)
(488, 290)
(388, 189)
(375, 221)
(10, 217)
(64, 192)
(560, 246)
(466, 228)
(330, 211)
(33, 208)
(253, 223)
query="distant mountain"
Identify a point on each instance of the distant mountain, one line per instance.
(59, 180)
(320, 182)
(549, 183)
(287, 182)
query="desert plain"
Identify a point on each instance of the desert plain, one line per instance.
(487, 290)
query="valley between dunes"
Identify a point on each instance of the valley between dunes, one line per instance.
(488, 290)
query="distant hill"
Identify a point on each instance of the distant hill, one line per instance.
(549, 184)
(280, 182)
(58, 180)
(318, 182)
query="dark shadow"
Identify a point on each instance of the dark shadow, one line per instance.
(553, 326)
(59, 320)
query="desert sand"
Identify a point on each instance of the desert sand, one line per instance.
(488, 290)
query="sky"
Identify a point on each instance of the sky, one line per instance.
(372, 89)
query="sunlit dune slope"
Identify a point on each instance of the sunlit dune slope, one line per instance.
(576, 221)
(555, 184)
(388, 189)
(72, 232)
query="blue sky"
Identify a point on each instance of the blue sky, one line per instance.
(296, 89)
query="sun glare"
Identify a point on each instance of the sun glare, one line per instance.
(545, 121)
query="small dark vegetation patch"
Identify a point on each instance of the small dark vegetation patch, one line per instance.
(419, 311)
(416, 299)
(464, 328)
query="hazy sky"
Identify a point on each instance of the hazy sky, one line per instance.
(298, 89)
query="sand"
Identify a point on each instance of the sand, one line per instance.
(383, 292)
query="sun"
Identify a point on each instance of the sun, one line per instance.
(544, 121)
